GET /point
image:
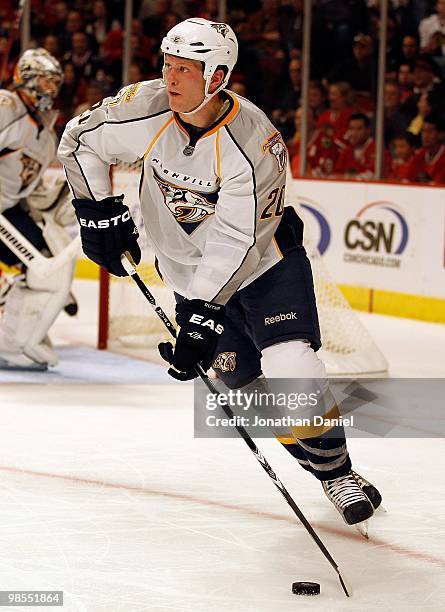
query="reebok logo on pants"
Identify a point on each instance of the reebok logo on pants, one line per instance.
(280, 317)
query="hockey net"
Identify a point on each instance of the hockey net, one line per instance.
(128, 324)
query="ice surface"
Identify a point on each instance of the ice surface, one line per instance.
(106, 495)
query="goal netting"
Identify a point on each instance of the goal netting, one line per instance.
(128, 323)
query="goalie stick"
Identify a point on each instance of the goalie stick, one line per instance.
(131, 270)
(29, 255)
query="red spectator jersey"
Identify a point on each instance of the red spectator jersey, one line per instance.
(323, 150)
(430, 167)
(339, 121)
(405, 170)
(359, 162)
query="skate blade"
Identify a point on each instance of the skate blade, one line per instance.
(362, 528)
(12, 367)
(381, 510)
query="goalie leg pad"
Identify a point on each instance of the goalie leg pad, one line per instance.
(31, 308)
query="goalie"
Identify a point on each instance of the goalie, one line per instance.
(31, 213)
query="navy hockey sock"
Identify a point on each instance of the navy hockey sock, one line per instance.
(325, 456)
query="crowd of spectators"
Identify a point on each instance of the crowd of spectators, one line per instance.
(87, 37)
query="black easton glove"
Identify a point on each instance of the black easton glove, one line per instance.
(201, 323)
(107, 231)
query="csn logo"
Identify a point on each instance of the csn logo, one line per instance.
(380, 230)
(324, 231)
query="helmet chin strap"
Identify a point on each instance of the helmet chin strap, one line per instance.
(206, 99)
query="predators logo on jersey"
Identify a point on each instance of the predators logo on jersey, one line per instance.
(226, 362)
(276, 147)
(30, 170)
(189, 208)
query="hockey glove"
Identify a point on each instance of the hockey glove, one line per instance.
(201, 323)
(107, 231)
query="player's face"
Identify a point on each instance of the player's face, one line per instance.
(185, 83)
(49, 85)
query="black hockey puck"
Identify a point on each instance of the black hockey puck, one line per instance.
(305, 588)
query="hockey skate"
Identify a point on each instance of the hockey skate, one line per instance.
(350, 500)
(372, 493)
(17, 361)
(35, 358)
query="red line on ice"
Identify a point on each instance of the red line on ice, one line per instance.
(351, 535)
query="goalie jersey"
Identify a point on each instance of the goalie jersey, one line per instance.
(211, 199)
(27, 146)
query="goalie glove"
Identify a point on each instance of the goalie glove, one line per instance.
(201, 324)
(107, 232)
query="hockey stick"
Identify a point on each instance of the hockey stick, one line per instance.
(12, 36)
(29, 255)
(130, 269)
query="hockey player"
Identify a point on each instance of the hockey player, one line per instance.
(38, 215)
(212, 198)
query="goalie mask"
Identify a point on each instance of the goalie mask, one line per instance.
(211, 43)
(40, 76)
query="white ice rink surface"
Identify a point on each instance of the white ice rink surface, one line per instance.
(106, 495)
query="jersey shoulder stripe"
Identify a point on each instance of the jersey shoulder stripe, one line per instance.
(137, 101)
(106, 122)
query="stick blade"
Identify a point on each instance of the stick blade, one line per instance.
(345, 585)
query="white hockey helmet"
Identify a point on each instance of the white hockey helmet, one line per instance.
(35, 63)
(212, 43)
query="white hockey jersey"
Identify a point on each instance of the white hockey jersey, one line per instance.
(27, 146)
(211, 203)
